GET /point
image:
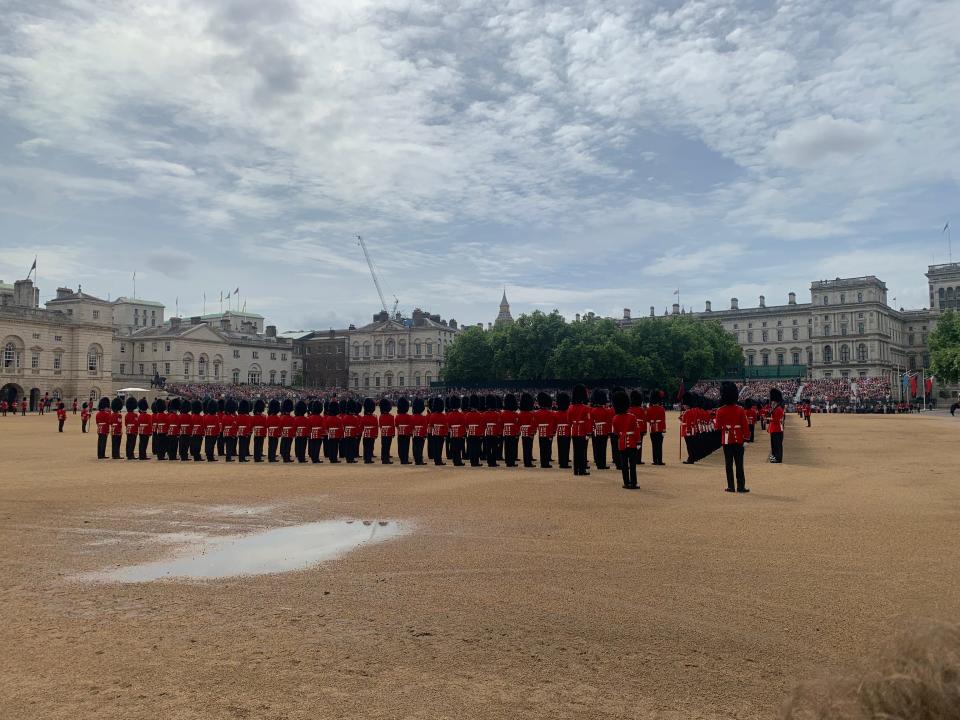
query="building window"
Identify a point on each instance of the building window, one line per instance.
(154, 369)
(166, 347)
(186, 369)
(765, 359)
(93, 360)
(123, 369)
(779, 334)
(256, 355)
(283, 377)
(426, 379)
(400, 380)
(340, 349)
(843, 298)
(216, 371)
(862, 352)
(809, 357)
(273, 356)
(35, 361)
(141, 368)
(153, 347)
(166, 368)
(236, 354)
(378, 349)
(96, 314)
(749, 336)
(273, 377)
(429, 349)
(142, 347)
(366, 381)
(416, 380)
(750, 359)
(861, 328)
(203, 367)
(825, 300)
(123, 348)
(235, 376)
(416, 348)
(36, 336)
(826, 330)
(796, 334)
(843, 329)
(859, 297)
(844, 353)
(356, 381)
(253, 377)
(779, 358)
(827, 354)
(796, 358)
(376, 381)
(283, 356)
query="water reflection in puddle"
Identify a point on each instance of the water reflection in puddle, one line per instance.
(279, 550)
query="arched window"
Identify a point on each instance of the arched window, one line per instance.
(283, 377)
(400, 380)
(378, 349)
(429, 348)
(402, 349)
(825, 300)
(235, 376)
(376, 380)
(388, 378)
(764, 357)
(366, 349)
(273, 377)
(356, 350)
(216, 369)
(391, 348)
(356, 381)
(94, 357)
(416, 379)
(827, 354)
(862, 352)
(254, 374)
(764, 336)
(416, 348)
(202, 367)
(94, 394)
(11, 356)
(366, 381)
(843, 298)
(844, 353)
(426, 379)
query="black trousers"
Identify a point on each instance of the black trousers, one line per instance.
(615, 449)
(640, 448)
(510, 446)
(656, 447)
(368, 450)
(600, 452)
(300, 449)
(221, 444)
(808, 420)
(776, 446)
(332, 447)
(243, 448)
(691, 443)
(430, 447)
(580, 456)
(258, 448)
(272, 443)
(115, 441)
(752, 433)
(438, 445)
(60, 424)
(563, 451)
(183, 446)
(546, 452)
(348, 448)
(403, 449)
(286, 443)
(144, 443)
(474, 450)
(160, 445)
(628, 467)
(490, 450)
(131, 446)
(101, 447)
(314, 445)
(196, 447)
(230, 445)
(209, 447)
(457, 448)
(733, 455)
(527, 444)
(386, 444)
(418, 451)
(83, 426)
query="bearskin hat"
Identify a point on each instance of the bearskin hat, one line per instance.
(775, 395)
(453, 403)
(526, 402)
(636, 397)
(474, 402)
(186, 407)
(510, 402)
(729, 393)
(221, 405)
(369, 406)
(174, 405)
(131, 404)
(385, 406)
(599, 398)
(103, 404)
(544, 401)
(333, 408)
(464, 402)
(197, 407)
(300, 408)
(143, 405)
(492, 402)
(116, 404)
(210, 406)
(403, 405)
(418, 406)
(243, 407)
(230, 406)
(481, 402)
(84, 406)
(579, 394)
(563, 401)
(314, 407)
(160, 406)
(621, 402)
(259, 406)
(656, 398)
(273, 407)
(287, 406)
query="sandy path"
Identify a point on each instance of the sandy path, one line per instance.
(522, 593)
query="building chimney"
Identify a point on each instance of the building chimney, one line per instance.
(63, 292)
(763, 301)
(577, 316)
(626, 313)
(734, 304)
(453, 324)
(652, 313)
(708, 308)
(676, 309)
(792, 298)
(174, 323)
(271, 331)
(23, 295)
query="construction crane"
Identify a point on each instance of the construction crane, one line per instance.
(376, 280)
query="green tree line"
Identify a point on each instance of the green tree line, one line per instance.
(538, 347)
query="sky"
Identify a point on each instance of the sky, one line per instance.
(587, 156)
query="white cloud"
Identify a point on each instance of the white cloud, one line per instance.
(33, 145)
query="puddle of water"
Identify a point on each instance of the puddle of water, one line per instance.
(279, 550)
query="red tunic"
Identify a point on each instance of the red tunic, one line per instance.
(287, 426)
(732, 423)
(510, 422)
(492, 423)
(102, 419)
(388, 425)
(211, 425)
(474, 422)
(116, 423)
(244, 426)
(273, 426)
(318, 427)
(61, 414)
(145, 424)
(438, 424)
(130, 423)
(197, 424)
(368, 426)
(625, 426)
(656, 419)
(580, 421)
(84, 415)
(640, 413)
(404, 423)
(301, 426)
(562, 422)
(334, 426)
(456, 424)
(776, 420)
(351, 425)
(528, 426)
(546, 422)
(229, 425)
(419, 424)
(258, 425)
(602, 418)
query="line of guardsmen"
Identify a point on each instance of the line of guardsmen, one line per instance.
(476, 429)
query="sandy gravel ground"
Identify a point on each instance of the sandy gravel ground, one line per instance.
(521, 593)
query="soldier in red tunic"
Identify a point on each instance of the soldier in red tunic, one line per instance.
(197, 429)
(159, 437)
(775, 426)
(130, 423)
(368, 429)
(387, 425)
(639, 412)
(581, 426)
(624, 424)
(419, 430)
(510, 422)
(457, 427)
(173, 429)
(601, 416)
(806, 411)
(301, 431)
(473, 418)
(61, 416)
(528, 428)
(273, 429)
(286, 430)
(351, 430)
(229, 428)
(75, 406)
(144, 428)
(84, 417)
(732, 423)
(657, 424)
(562, 415)
(23, 407)
(3, 407)
(318, 428)
(258, 429)
(404, 430)
(546, 422)
(211, 429)
(493, 429)
(334, 425)
(103, 419)
(751, 412)
(185, 423)
(116, 427)
(436, 431)
(244, 430)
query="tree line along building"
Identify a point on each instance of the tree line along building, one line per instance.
(847, 329)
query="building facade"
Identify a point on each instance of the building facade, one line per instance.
(50, 352)
(400, 352)
(325, 358)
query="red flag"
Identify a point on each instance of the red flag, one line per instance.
(681, 392)
(913, 386)
(928, 385)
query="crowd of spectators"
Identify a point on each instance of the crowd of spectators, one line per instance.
(750, 390)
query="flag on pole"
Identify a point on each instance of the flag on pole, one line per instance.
(221, 296)
(677, 291)
(32, 267)
(913, 386)
(236, 291)
(945, 227)
(228, 296)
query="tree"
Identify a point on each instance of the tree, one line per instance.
(945, 348)
(470, 358)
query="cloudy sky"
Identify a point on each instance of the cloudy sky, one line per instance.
(587, 155)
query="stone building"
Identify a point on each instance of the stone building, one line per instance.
(325, 358)
(50, 351)
(400, 352)
(503, 317)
